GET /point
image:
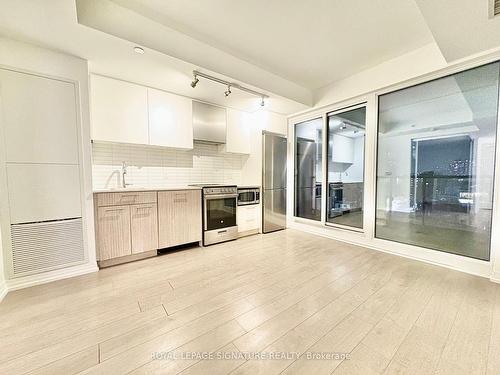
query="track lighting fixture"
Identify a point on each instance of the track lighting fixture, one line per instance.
(229, 85)
(195, 81)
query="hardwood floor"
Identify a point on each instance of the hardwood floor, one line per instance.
(287, 294)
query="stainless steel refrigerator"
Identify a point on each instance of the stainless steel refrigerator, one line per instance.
(274, 182)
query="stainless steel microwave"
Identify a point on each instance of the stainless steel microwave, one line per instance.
(247, 196)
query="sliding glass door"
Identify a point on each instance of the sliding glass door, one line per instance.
(436, 156)
(308, 169)
(345, 178)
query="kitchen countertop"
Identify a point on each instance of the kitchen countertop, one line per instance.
(153, 188)
(248, 187)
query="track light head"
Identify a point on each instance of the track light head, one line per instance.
(262, 103)
(195, 82)
(228, 92)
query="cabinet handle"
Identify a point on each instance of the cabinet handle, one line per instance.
(179, 200)
(129, 195)
(144, 208)
(114, 209)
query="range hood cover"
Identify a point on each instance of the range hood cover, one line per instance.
(209, 123)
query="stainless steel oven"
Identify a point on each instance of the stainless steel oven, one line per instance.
(248, 195)
(219, 214)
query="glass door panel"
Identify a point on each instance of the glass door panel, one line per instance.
(346, 155)
(308, 169)
(435, 163)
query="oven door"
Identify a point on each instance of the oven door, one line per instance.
(220, 211)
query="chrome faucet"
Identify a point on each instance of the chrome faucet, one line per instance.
(124, 173)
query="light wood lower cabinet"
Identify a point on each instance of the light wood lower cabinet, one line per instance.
(179, 217)
(144, 227)
(113, 232)
(146, 222)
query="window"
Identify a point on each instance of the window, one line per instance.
(308, 169)
(436, 156)
(346, 150)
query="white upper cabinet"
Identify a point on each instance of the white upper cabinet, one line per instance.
(342, 149)
(238, 132)
(38, 113)
(170, 120)
(119, 111)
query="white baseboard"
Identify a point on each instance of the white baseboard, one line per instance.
(495, 277)
(451, 261)
(47, 277)
(3, 290)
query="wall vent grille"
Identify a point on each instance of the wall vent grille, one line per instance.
(44, 246)
(494, 8)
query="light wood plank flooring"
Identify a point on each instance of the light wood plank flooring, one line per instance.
(290, 296)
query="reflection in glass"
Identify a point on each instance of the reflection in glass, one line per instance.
(308, 172)
(436, 149)
(346, 149)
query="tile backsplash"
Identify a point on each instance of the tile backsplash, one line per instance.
(156, 166)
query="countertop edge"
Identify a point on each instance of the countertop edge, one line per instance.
(125, 190)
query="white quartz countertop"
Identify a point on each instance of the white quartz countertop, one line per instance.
(153, 188)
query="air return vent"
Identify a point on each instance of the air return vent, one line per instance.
(494, 8)
(44, 246)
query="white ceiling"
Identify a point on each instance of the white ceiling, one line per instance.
(53, 24)
(311, 43)
(461, 27)
(286, 48)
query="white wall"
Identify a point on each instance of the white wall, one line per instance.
(33, 59)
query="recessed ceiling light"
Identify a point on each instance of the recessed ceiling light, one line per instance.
(139, 50)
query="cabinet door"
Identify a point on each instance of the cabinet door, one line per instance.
(119, 111)
(170, 120)
(144, 227)
(342, 149)
(248, 217)
(113, 232)
(238, 132)
(179, 217)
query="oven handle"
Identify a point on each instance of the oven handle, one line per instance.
(219, 196)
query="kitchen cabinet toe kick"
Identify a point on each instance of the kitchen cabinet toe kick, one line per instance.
(126, 259)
